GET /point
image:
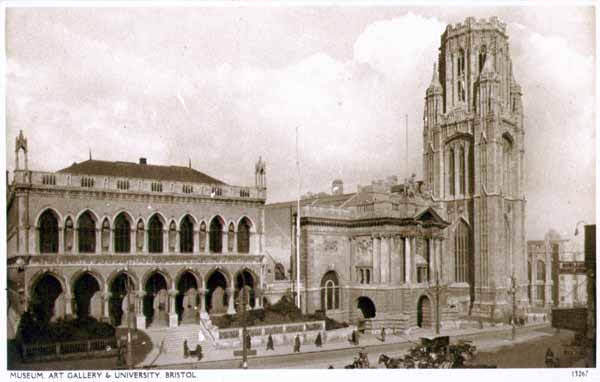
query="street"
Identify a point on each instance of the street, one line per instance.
(493, 349)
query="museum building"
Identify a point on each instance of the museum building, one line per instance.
(166, 244)
(391, 249)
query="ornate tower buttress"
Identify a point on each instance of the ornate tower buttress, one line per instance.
(473, 151)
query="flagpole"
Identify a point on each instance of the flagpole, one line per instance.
(406, 152)
(298, 225)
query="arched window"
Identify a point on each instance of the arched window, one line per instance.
(461, 75)
(462, 169)
(279, 271)
(68, 235)
(186, 235)
(451, 172)
(230, 237)
(155, 235)
(172, 236)
(461, 253)
(243, 236)
(506, 165)
(105, 237)
(122, 234)
(86, 230)
(216, 236)
(541, 271)
(202, 237)
(139, 235)
(482, 57)
(330, 291)
(48, 233)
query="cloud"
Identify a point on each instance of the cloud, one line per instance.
(70, 90)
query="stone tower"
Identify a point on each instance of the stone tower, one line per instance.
(473, 152)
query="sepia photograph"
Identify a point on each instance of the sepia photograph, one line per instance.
(246, 185)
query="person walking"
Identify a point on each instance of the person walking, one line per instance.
(382, 334)
(270, 343)
(319, 341)
(297, 344)
(186, 349)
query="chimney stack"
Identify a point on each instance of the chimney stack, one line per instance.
(143, 161)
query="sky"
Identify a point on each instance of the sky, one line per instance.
(221, 86)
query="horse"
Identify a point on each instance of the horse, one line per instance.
(391, 363)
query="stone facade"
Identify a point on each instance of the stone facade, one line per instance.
(65, 233)
(473, 150)
(556, 272)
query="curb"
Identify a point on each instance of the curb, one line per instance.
(373, 346)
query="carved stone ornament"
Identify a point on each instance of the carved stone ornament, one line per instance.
(330, 245)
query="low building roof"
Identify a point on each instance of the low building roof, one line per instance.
(136, 170)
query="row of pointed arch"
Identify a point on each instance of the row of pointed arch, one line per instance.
(154, 235)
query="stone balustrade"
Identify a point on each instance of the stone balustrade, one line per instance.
(136, 185)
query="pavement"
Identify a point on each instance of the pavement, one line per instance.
(486, 339)
(412, 336)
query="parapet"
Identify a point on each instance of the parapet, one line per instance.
(470, 23)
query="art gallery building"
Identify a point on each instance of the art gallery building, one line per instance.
(181, 242)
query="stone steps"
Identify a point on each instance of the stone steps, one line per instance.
(172, 338)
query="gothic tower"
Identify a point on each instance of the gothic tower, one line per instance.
(473, 151)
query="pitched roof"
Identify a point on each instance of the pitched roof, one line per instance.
(135, 170)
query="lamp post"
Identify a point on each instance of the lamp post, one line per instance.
(513, 292)
(438, 289)
(129, 344)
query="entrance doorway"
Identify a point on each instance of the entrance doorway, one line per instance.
(424, 313)
(366, 306)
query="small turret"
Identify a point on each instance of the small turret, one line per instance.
(260, 174)
(21, 144)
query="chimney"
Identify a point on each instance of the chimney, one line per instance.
(143, 161)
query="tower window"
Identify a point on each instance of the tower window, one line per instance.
(462, 178)
(461, 253)
(482, 57)
(451, 172)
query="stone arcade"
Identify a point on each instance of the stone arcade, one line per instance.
(178, 240)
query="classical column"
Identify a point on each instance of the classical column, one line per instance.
(132, 240)
(140, 319)
(111, 240)
(407, 260)
(390, 245)
(165, 246)
(203, 312)
(98, 240)
(177, 241)
(224, 241)
(235, 242)
(196, 239)
(173, 319)
(105, 307)
(399, 244)
(145, 241)
(75, 241)
(69, 300)
(230, 296)
(431, 267)
(413, 255)
(351, 265)
(375, 260)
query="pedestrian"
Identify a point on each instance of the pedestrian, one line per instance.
(549, 358)
(357, 338)
(186, 349)
(270, 343)
(383, 334)
(319, 341)
(121, 355)
(297, 344)
(354, 339)
(199, 354)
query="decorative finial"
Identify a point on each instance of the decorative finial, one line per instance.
(189, 162)
(90, 149)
